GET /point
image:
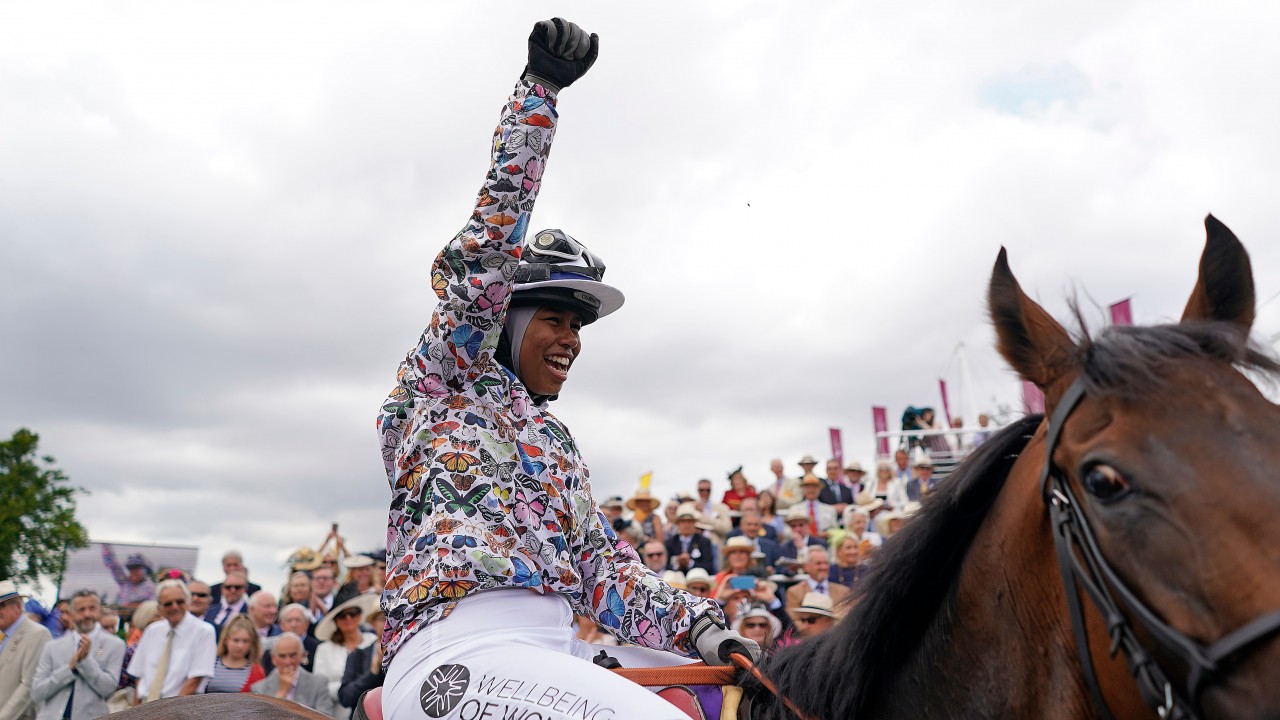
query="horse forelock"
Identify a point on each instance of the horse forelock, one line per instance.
(912, 581)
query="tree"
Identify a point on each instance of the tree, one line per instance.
(37, 512)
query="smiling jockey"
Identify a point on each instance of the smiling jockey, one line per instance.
(494, 540)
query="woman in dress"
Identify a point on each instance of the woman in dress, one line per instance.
(739, 490)
(340, 634)
(236, 666)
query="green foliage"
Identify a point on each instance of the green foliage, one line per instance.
(37, 512)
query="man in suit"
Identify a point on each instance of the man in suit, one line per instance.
(21, 642)
(296, 619)
(817, 565)
(233, 600)
(751, 527)
(687, 547)
(837, 491)
(78, 671)
(821, 515)
(289, 681)
(751, 506)
(923, 482)
(262, 611)
(798, 520)
(233, 561)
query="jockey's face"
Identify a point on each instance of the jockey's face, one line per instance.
(548, 349)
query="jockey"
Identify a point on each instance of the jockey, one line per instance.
(494, 541)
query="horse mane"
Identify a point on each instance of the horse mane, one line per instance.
(1135, 362)
(841, 672)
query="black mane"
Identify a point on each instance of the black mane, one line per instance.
(915, 572)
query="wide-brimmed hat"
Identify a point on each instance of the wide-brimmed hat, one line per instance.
(807, 460)
(675, 579)
(613, 502)
(699, 576)
(304, 559)
(815, 604)
(9, 591)
(796, 512)
(738, 543)
(643, 496)
(923, 461)
(688, 510)
(351, 562)
(364, 602)
(870, 504)
(775, 625)
(855, 466)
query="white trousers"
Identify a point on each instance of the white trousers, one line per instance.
(512, 654)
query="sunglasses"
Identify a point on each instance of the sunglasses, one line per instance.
(171, 603)
(703, 490)
(233, 587)
(751, 626)
(659, 554)
(200, 595)
(347, 614)
(808, 620)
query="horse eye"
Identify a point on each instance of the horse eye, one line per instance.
(1105, 482)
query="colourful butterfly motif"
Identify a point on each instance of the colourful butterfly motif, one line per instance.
(491, 300)
(458, 462)
(524, 575)
(456, 501)
(466, 339)
(612, 611)
(519, 138)
(526, 509)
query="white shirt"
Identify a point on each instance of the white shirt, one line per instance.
(192, 655)
(331, 662)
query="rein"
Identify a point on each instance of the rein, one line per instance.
(745, 663)
(1081, 561)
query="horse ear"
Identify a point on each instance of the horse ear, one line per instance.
(1028, 337)
(1224, 290)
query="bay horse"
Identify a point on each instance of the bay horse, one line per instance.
(1152, 478)
(1154, 484)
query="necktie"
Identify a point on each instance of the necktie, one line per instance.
(813, 519)
(162, 669)
(821, 588)
(66, 712)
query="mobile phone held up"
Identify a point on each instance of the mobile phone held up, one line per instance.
(742, 582)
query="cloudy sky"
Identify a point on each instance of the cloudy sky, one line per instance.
(216, 224)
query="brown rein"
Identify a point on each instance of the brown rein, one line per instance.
(702, 674)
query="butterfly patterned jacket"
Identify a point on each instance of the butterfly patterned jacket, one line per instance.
(488, 488)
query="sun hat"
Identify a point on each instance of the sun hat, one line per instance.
(364, 602)
(688, 510)
(9, 591)
(351, 562)
(923, 461)
(775, 625)
(810, 479)
(795, 513)
(737, 543)
(815, 604)
(642, 496)
(304, 559)
(807, 460)
(699, 576)
(855, 466)
(613, 502)
(675, 579)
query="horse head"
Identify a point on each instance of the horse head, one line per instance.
(1173, 456)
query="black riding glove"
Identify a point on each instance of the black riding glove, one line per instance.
(715, 643)
(559, 53)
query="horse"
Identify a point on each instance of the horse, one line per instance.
(1159, 489)
(1118, 557)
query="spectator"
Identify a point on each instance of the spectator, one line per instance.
(922, 483)
(886, 487)
(738, 562)
(857, 522)
(145, 614)
(689, 548)
(856, 476)
(813, 616)
(359, 578)
(298, 590)
(979, 437)
(817, 566)
(751, 506)
(262, 611)
(669, 517)
(232, 602)
(889, 523)
(364, 665)
(644, 512)
(612, 509)
(134, 578)
(654, 555)
(174, 656)
(296, 619)
(715, 515)
(80, 670)
(698, 582)
(836, 490)
(901, 472)
(798, 523)
(201, 598)
(822, 517)
(751, 527)
(339, 634)
(236, 667)
(794, 492)
(22, 642)
(782, 486)
(323, 592)
(110, 621)
(769, 514)
(289, 681)
(233, 561)
(739, 490)
(849, 566)
(760, 625)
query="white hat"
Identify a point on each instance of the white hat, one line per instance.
(796, 512)
(675, 579)
(698, 575)
(364, 602)
(688, 510)
(9, 591)
(352, 562)
(775, 625)
(815, 604)
(923, 460)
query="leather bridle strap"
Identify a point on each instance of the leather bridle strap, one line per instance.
(1088, 567)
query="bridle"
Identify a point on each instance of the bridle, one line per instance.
(1081, 561)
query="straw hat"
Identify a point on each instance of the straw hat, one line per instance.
(739, 542)
(675, 579)
(795, 513)
(304, 559)
(855, 466)
(775, 625)
(351, 562)
(688, 510)
(807, 460)
(815, 604)
(642, 496)
(613, 502)
(364, 602)
(810, 479)
(698, 576)
(9, 591)
(924, 461)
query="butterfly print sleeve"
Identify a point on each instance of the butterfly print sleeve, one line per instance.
(627, 598)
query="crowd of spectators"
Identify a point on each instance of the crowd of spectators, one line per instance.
(779, 556)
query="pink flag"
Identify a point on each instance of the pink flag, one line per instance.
(946, 406)
(880, 419)
(837, 447)
(1122, 313)
(1032, 398)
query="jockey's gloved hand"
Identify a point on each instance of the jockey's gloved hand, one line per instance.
(559, 53)
(715, 642)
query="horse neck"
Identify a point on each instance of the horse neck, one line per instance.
(1003, 647)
